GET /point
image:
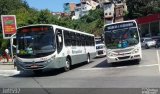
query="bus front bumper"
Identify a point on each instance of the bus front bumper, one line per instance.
(123, 58)
(100, 53)
(30, 66)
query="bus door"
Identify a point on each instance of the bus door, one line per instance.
(59, 41)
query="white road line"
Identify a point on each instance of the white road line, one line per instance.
(139, 66)
(158, 60)
(151, 65)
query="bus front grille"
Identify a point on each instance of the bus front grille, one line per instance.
(125, 57)
(37, 67)
(100, 52)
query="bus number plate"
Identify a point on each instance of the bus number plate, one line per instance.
(34, 66)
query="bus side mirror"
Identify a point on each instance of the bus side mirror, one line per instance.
(59, 39)
(14, 46)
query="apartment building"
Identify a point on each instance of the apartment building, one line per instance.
(92, 3)
(108, 12)
(60, 14)
(113, 10)
(69, 7)
(77, 13)
(101, 2)
(85, 7)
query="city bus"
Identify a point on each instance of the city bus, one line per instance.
(47, 46)
(122, 41)
(100, 47)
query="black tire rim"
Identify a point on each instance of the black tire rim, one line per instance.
(67, 66)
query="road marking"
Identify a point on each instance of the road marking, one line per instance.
(8, 72)
(151, 65)
(158, 60)
(139, 66)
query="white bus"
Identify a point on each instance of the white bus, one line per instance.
(122, 41)
(100, 47)
(46, 46)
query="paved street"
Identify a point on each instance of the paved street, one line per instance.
(97, 74)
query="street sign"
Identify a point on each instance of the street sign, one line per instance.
(8, 25)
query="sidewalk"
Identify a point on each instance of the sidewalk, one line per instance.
(6, 65)
(8, 69)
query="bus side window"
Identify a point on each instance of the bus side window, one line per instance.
(59, 40)
(67, 38)
(83, 40)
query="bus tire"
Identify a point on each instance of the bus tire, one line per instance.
(67, 66)
(138, 61)
(88, 58)
(146, 46)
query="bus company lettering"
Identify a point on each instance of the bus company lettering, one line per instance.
(76, 51)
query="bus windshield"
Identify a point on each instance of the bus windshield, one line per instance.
(121, 38)
(35, 44)
(99, 42)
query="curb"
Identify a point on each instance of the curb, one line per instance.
(10, 63)
(3, 62)
(8, 72)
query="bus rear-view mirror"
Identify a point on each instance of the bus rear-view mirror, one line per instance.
(59, 39)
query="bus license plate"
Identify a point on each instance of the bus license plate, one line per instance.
(34, 66)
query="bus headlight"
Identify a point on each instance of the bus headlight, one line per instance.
(51, 59)
(110, 54)
(135, 51)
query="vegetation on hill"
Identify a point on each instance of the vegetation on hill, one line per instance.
(91, 23)
(140, 8)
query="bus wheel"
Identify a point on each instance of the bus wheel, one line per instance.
(88, 58)
(146, 46)
(67, 65)
(37, 72)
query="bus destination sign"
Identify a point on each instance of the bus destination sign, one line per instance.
(120, 26)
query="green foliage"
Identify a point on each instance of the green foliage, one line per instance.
(6, 6)
(94, 21)
(44, 17)
(140, 8)
(4, 44)
(91, 23)
(13, 7)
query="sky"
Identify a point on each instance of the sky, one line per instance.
(52, 5)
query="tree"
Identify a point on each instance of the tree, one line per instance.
(6, 6)
(13, 7)
(45, 17)
(140, 8)
(93, 22)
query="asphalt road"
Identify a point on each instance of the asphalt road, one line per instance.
(96, 76)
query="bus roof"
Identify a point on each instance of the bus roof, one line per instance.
(56, 26)
(120, 22)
